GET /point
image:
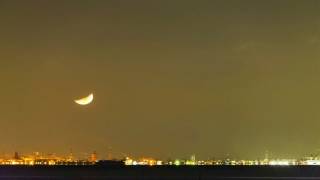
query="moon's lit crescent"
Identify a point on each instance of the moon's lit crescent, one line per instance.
(85, 100)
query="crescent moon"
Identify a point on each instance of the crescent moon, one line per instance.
(85, 101)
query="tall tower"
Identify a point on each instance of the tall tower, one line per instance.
(16, 155)
(193, 159)
(93, 157)
(70, 156)
(266, 155)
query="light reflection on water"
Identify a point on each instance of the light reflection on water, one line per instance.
(157, 173)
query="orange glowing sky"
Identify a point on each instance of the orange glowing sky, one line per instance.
(170, 78)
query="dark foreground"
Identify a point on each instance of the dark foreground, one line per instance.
(160, 172)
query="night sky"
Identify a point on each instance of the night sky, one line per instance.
(170, 78)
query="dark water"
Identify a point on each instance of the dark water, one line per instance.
(162, 172)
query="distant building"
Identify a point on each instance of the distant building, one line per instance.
(192, 160)
(312, 162)
(93, 157)
(16, 155)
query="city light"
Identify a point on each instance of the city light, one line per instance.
(92, 159)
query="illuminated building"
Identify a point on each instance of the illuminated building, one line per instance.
(93, 157)
(312, 162)
(283, 162)
(128, 161)
(192, 160)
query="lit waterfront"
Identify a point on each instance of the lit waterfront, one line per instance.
(37, 158)
(193, 162)
(92, 159)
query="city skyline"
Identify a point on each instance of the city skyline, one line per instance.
(169, 78)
